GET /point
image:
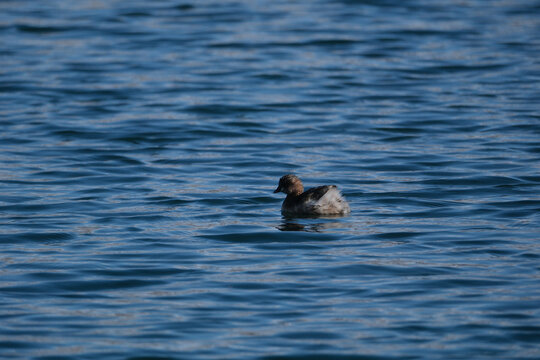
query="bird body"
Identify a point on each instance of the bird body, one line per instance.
(321, 200)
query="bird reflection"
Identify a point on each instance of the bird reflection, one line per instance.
(293, 224)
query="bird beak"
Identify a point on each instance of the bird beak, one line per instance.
(277, 190)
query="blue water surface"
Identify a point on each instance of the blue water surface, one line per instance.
(141, 141)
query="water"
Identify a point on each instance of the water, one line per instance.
(141, 142)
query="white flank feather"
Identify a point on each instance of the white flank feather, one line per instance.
(332, 203)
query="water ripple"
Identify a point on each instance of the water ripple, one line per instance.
(141, 143)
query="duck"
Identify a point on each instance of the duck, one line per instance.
(321, 200)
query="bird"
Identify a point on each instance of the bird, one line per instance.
(321, 200)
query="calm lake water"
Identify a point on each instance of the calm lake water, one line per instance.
(141, 141)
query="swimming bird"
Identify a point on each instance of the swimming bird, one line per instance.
(321, 200)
